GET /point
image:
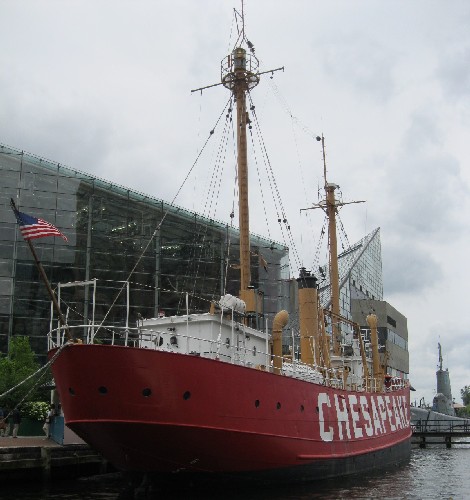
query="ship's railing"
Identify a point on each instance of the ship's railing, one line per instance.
(180, 342)
(208, 348)
(396, 384)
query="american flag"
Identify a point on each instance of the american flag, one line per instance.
(32, 227)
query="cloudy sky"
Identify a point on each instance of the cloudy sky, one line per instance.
(104, 87)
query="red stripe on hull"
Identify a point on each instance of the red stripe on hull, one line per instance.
(157, 411)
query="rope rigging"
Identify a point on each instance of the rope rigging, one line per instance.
(159, 225)
(213, 193)
(211, 196)
(277, 199)
(40, 372)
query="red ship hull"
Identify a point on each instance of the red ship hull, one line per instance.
(156, 411)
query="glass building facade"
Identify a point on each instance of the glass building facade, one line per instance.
(360, 274)
(115, 235)
(361, 292)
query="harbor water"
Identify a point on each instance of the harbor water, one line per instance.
(432, 473)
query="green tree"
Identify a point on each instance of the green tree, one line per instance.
(465, 393)
(15, 367)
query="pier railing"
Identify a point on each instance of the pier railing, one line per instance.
(441, 426)
(439, 432)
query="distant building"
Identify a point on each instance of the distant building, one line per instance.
(109, 228)
(393, 333)
(361, 292)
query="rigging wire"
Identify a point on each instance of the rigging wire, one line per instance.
(283, 102)
(42, 372)
(232, 213)
(209, 210)
(166, 213)
(282, 219)
(212, 198)
(302, 177)
(260, 185)
(342, 234)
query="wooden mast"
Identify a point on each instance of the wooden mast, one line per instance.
(239, 92)
(334, 272)
(330, 207)
(239, 73)
(333, 256)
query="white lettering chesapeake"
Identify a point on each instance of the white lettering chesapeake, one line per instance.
(383, 412)
(342, 416)
(369, 428)
(389, 413)
(400, 409)
(396, 412)
(355, 416)
(406, 411)
(323, 399)
(375, 416)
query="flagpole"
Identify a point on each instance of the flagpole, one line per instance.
(46, 281)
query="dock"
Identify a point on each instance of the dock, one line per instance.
(33, 458)
(440, 432)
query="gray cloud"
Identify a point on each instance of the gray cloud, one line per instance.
(408, 269)
(364, 63)
(425, 185)
(454, 74)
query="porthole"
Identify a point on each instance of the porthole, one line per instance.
(71, 391)
(146, 392)
(278, 406)
(257, 403)
(186, 395)
(317, 409)
(102, 390)
(302, 408)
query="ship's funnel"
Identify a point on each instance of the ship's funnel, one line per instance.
(308, 315)
(279, 322)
